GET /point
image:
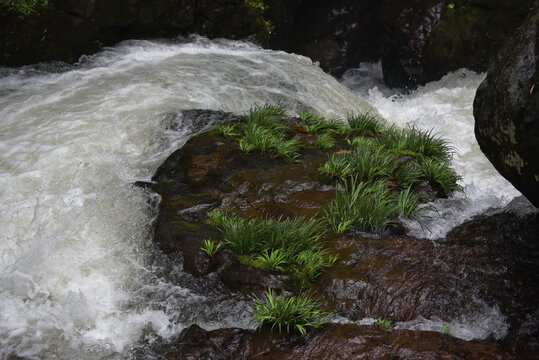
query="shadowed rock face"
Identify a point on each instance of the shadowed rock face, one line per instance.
(66, 29)
(333, 341)
(506, 111)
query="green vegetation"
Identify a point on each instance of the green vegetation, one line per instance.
(286, 245)
(445, 330)
(264, 131)
(227, 130)
(325, 141)
(365, 124)
(440, 175)
(378, 172)
(361, 206)
(211, 248)
(290, 312)
(385, 324)
(24, 7)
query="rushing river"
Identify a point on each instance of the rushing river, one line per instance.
(79, 276)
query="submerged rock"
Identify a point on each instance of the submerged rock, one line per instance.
(506, 111)
(483, 275)
(333, 341)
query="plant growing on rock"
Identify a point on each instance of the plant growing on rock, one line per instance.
(278, 244)
(273, 259)
(361, 206)
(385, 324)
(211, 248)
(265, 131)
(365, 124)
(440, 175)
(288, 312)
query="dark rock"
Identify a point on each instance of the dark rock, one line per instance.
(469, 35)
(488, 262)
(506, 111)
(337, 34)
(210, 171)
(407, 26)
(333, 341)
(66, 29)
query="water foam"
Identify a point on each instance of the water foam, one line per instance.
(80, 276)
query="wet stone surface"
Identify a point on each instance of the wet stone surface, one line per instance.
(483, 274)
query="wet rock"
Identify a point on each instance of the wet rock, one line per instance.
(469, 35)
(337, 34)
(484, 274)
(506, 111)
(65, 29)
(210, 171)
(333, 341)
(406, 27)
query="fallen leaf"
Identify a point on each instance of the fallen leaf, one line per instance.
(531, 90)
(297, 128)
(340, 152)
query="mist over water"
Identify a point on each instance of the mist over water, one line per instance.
(79, 275)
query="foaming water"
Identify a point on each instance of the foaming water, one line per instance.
(446, 108)
(79, 275)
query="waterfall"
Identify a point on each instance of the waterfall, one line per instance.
(79, 275)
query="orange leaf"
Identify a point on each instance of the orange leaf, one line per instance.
(391, 185)
(300, 129)
(531, 90)
(340, 152)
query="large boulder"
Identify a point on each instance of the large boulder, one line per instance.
(506, 111)
(418, 41)
(63, 30)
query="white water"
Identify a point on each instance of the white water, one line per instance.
(79, 277)
(446, 107)
(78, 274)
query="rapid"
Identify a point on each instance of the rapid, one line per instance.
(79, 275)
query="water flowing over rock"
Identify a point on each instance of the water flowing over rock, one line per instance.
(472, 280)
(506, 111)
(332, 342)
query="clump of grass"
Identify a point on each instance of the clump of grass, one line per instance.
(361, 206)
(445, 330)
(277, 244)
(365, 124)
(272, 259)
(211, 248)
(365, 165)
(440, 175)
(291, 312)
(385, 324)
(417, 143)
(316, 125)
(325, 141)
(227, 130)
(407, 175)
(265, 131)
(408, 203)
(311, 264)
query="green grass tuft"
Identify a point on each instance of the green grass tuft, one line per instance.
(440, 175)
(276, 244)
(288, 313)
(365, 124)
(362, 206)
(211, 248)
